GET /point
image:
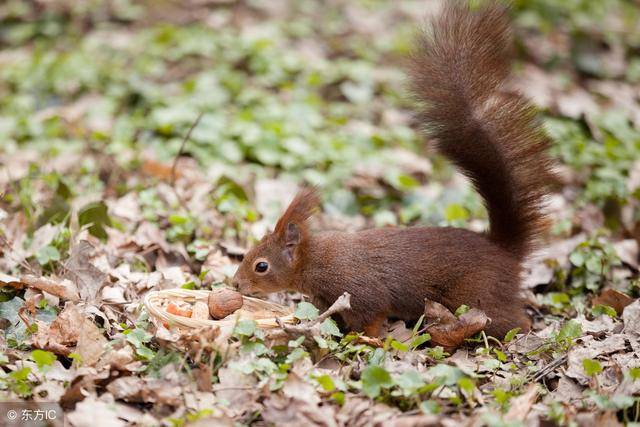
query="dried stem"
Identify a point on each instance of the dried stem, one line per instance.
(184, 142)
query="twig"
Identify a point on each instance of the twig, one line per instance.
(550, 367)
(184, 142)
(311, 328)
(233, 388)
(342, 303)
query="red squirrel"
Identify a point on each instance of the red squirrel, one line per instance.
(458, 72)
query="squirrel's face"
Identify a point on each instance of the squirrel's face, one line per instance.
(265, 268)
(272, 264)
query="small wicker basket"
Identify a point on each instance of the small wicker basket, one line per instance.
(263, 312)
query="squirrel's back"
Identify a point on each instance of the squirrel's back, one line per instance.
(458, 73)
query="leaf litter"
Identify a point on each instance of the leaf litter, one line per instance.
(88, 228)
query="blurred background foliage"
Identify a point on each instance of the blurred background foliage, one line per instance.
(295, 90)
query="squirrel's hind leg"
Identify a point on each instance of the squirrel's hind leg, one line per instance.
(374, 327)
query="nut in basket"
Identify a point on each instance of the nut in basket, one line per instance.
(187, 308)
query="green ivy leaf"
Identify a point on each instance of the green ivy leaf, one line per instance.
(245, 327)
(377, 357)
(569, 331)
(511, 334)
(577, 258)
(591, 367)
(600, 309)
(43, 358)
(306, 311)
(397, 345)
(500, 355)
(410, 380)
(296, 343)
(97, 215)
(462, 310)
(430, 407)
(145, 352)
(419, 340)
(296, 354)
(21, 374)
(445, 374)
(138, 337)
(338, 397)
(329, 327)
(374, 379)
(466, 384)
(47, 254)
(326, 382)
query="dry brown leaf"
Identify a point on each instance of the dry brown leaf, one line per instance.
(437, 313)
(6, 280)
(631, 318)
(628, 251)
(236, 387)
(299, 404)
(159, 170)
(103, 412)
(521, 405)
(591, 348)
(615, 299)
(399, 331)
(62, 334)
(62, 288)
(147, 390)
(448, 331)
(202, 375)
(91, 342)
(80, 269)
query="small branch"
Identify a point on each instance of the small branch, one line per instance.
(342, 303)
(550, 367)
(312, 328)
(184, 142)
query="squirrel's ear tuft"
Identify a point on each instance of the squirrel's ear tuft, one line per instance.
(292, 226)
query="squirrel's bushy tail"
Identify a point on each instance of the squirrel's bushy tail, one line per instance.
(458, 71)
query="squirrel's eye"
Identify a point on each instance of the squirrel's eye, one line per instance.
(261, 267)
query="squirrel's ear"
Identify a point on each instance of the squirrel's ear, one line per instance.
(292, 239)
(292, 228)
(300, 209)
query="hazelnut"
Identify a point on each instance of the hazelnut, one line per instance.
(223, 302)
(200, 311)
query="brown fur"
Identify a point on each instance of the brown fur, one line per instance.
(457, 73)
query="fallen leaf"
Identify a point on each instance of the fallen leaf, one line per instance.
(202, 375)
(146, 390)
(447, 330)
(62, 334)
(615, 299)
(88, 277)
(62, 288)
(6, 280)
(631, 318)
(520, 406)
(102, 412)
(627, 250)
(91, 342)
(590, 348)
(236, 387)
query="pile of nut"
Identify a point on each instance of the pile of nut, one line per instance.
(222, 302)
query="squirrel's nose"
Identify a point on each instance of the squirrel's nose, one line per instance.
(242, 286)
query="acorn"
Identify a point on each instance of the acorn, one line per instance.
(223, 302)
